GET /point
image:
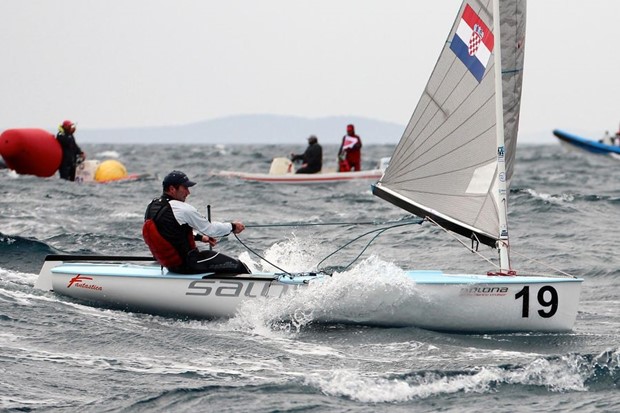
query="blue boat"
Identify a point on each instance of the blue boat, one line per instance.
(588, 145)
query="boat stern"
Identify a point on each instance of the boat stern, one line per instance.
(487, 304)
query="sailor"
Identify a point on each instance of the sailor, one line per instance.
(350, 152)
(71, 152)
(172, 227)
(312, 158)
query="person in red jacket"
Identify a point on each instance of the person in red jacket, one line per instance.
(350, 154)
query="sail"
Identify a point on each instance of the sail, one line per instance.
(449, 164)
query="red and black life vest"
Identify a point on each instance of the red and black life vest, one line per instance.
(168, 241)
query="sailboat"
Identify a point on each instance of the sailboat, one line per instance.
(455, 160)
(452, 167)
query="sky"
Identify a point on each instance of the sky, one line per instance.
(135, 63)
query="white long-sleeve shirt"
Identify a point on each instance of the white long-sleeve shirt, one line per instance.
(187, 214)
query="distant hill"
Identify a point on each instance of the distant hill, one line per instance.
(250, 129)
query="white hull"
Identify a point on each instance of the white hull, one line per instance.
(480, 303)
(282, 172)
(442, 302)
(149, 289)
(292, 178)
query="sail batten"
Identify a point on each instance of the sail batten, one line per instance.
(425, 151)
(447, 163)
(438, 174)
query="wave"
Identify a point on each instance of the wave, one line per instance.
(107, 154)
(23, 254)
(565, 198)
(568, 373)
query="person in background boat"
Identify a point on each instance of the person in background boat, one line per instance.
(606, 139)
(72, 155)
(312, 158)
(172, 227)
(350, 152)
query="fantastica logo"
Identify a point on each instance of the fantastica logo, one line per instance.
(78, 282)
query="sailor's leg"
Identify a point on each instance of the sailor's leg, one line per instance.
(213, 261)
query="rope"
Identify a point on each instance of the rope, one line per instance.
(378, 231)
(542, 263)
(463, 244)
(259, 256)
(308, 224)
(511, 250)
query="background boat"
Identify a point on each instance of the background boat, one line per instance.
(106, 171)
(282, 171)
(584, 145)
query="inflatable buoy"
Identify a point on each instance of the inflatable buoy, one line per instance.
(30, 151)
(110, 170)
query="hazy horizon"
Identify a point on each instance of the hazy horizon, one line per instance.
(160, 63)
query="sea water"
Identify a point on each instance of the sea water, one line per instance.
(60, 355)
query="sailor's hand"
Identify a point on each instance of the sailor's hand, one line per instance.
(209, 240)
(237, 227)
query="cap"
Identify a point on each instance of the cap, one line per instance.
(350, 127)
(312, 139)
(67, 124)
(177, 178)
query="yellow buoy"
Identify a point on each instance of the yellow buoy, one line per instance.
(110, 170)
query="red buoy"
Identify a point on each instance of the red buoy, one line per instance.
(30, 151)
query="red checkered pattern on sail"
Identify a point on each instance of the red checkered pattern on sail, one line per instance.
(474, 42)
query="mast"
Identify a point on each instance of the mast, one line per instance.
(502, 191)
